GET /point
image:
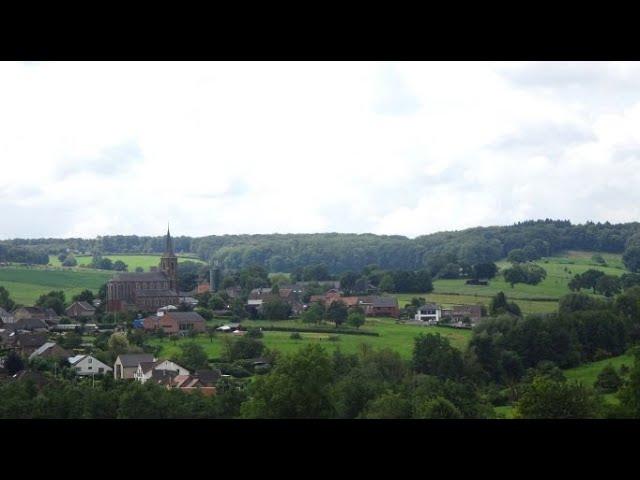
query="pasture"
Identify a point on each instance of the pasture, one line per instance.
(132, 261)
(25, 284)
(541, 298)
(397, 337)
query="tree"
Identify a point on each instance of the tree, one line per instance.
(528, 273)
(297, 387)
(348, 281)
(499, 306)
(450, 271)
(70, 261)
(118, 344)
(631, 258)
(629, 394)
(434, 355)
(276, 309)
(193, 356)
(438, 407)
(389, 406)
(608, 380)
(246, 347)
(485, 270)
(13, 363)
(589, 279)
(120, 266)
(54, 300)
(608, 285)
(356, 318)
(337, 312)
(387, 284)
(314, 313)
(139, 270)
(84, 296)
(546, 398)
(517, 255)
(5, 300)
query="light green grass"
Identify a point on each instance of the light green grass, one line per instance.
(133, 261)
(541, 298)
(25, 285)
(588, 373)
(397, 337)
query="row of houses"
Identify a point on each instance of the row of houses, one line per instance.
(40, 318)
(373, 305)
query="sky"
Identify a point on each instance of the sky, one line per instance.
(406, 148)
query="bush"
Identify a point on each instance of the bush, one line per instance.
(254, 333)
(334, 338)
(295, 336)
(608, 380)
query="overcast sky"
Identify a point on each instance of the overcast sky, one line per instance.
(92, 149)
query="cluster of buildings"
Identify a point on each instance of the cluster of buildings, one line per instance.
(457, 315)
(373, 305)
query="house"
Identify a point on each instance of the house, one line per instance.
(80, 310)
(429, 312)
(126, 365)
(187, 300)
(172, 322)
(27, 343)
(203, 288)
(30, 325)
(208, 377)
(5, 317)
(50, 350)
(88, 365)
(381, 306)
(146, 370)
(48, 315)
(258, 296)
(458, 313)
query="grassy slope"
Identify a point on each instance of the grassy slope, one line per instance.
(541, 298)
(397, 337)
(132, 261)
(25, 285)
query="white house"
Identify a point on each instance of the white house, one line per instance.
(88, 365)
(146, 370)
(429, 312)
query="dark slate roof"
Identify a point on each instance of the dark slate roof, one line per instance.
(86, 306)
(156, 293)
(384, 301)
(30, 324)
(140, 277)
(208, 377)
(185, 316)
(133, 359)
(32, 339)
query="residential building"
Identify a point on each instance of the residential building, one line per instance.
(80, 310)
(47, 315)
(126, 365)
(173, 322)
(429, 312)
(381, 306)
(49, 350)
(6, 318)
(88, 365)
(146, 370)
(27, 343)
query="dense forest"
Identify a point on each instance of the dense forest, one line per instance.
(341, 252)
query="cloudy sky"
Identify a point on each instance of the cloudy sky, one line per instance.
(412, 148)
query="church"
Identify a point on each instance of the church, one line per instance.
(146, 291)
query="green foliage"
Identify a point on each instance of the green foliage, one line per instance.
(295, 336)
(388, 405)
(84, 296)
(54, 300)
(608, 380)
(5, 300)
(313, 314)
(437, 407)
(193, 356)
(13, 363)
(337, 313)
(631, 258)
(297, 387)
(434, 355)
(545, 398)
(275, 308)
(528, 273)
(500, 306)
(356, 318)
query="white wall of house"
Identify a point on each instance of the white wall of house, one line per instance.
(90, 365)
(422, 316)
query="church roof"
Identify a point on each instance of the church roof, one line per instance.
(140, 277)
(156, 293)
(168, 245)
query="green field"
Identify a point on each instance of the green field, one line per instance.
(398, 337)
(541, 298)
(132, 261)
(25, 285)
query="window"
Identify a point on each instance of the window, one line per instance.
(90, 360)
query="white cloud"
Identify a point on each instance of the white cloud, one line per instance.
(231, 147)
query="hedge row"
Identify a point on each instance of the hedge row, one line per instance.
(344, 331)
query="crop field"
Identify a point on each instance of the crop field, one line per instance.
(541, 298)
(25, 285)
(398, 337)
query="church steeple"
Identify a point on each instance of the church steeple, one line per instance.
(169, 262)
(168, 244)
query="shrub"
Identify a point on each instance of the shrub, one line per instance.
(254, 333)
(295, 336)
(334, 338)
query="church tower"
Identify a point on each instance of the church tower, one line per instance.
(169, 263)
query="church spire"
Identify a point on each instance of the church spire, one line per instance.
(168, 246)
